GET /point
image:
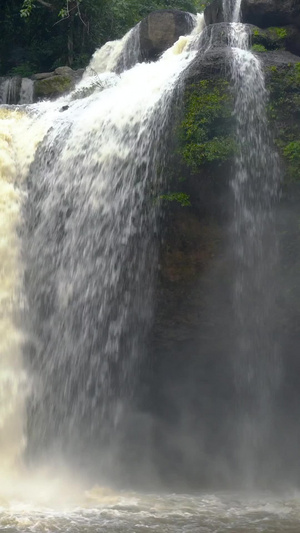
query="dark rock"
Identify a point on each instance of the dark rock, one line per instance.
(215, 63)
(161, 29)
(293, 40)
(213, 13)
(279, 59)
(267, 13)
(262, 13)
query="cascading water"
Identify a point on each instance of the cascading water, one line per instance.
(79, 184)
(92, 197)
(255, 188)
(16, 90)
(26, 91)
(116, 56)
(231, 10)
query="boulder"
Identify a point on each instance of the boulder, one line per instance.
(262, 13)
(53, 84)
(53, 87)
(267, 13)
(42, 75)
(213, 13)
(161, 29)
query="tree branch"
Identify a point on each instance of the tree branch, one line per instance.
(46, 4)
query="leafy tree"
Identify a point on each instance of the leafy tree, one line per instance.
(39, 35)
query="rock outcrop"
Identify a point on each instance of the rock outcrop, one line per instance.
(192, 338)
(161, 29)
(280, 18)
(269, 13)
(262, 13)
(54, 84)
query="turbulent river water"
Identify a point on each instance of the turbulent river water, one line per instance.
(76, 175)
(108, 511)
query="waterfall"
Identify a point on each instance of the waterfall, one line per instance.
(9, 90)
(81, 180)
(16, 154)
(255, 185)
(231, 10)
(82, 253)
(16, 90)
(26, 91)
(116, 56)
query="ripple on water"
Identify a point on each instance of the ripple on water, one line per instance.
(108, 511)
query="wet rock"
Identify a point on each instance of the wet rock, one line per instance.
(262, 13)
(42, 75)
(64, 71)
(276, 38)
(161, 29)
(53, 84)
(278, 59)
(53, 87)
(268, 13)
(213, 13)
(216, 62)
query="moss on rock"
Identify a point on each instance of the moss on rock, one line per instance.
(52, 87)
(284, 112)
(270, 38)
(206, 130)
(258, 48)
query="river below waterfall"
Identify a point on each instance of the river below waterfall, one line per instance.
(130, 512)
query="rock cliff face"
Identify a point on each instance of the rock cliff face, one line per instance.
(161, 29)
(192, 335)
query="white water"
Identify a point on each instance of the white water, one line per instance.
(231, 10)
(81, 168)
(9, 90)
(128, 512)
(117, 55)
(16, 153)
(26, 91)
(92, 173)
(16, 91)
(255, 185)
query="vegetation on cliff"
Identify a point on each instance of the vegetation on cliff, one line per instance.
(205, 131)
(284, 111)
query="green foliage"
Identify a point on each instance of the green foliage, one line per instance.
(278, 33)
(38, 33)
(205, 132)
(258, 48)
(269, 38)
(292, 152)
(26, 9)
(179, 197)
(284, 111)
(24, 70)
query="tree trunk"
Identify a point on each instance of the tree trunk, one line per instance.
(71, 38)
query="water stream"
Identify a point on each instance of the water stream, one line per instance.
(255, 187)
(80, 181)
